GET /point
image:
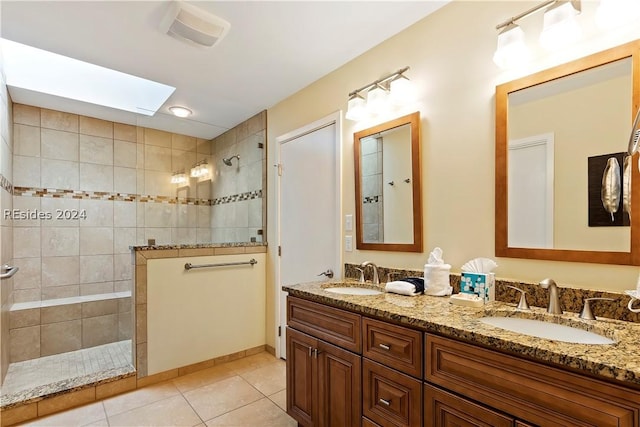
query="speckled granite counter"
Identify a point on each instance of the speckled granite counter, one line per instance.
(195, 246)
(619, 361)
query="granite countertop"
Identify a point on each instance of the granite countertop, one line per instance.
(619, 361)
(195, 246)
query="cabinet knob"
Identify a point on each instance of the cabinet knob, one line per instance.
(384, 347)
(385, 402)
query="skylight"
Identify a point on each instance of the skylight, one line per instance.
(37, 70)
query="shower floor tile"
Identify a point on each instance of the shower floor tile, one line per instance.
(35, 373)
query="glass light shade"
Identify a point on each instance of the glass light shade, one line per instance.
(356, 108)
(180, 111)
(512, 50)
(612, 14)
(377, 100)
(560, 28)
(401, 90)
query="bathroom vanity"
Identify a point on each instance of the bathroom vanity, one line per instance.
(391, 360)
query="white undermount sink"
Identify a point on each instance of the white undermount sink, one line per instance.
(547, 330)
(352, 291)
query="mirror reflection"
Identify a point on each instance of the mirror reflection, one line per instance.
(388, 186)
(561, 139)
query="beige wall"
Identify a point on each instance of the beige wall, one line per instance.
(204, 313)
(450, 55)
(601, 129)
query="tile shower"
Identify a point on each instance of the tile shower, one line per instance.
(81, 193)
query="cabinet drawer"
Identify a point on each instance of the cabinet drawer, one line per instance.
(530, 391)
(394, 346)
(445, 409)
(333, 325)
(366, 422)
(390, 398)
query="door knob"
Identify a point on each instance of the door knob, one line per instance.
(328, 273)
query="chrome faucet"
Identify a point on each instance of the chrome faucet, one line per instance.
(376, 278)
(554, 299)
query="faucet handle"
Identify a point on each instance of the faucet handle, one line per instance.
(522, 304)
(586, 312)
(361, 270)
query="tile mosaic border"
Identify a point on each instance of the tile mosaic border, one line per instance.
(124, 197)
(5, 184)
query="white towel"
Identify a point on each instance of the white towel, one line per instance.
(402, 288)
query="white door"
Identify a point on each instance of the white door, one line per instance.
(309, 209)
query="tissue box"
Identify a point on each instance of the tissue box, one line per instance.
(481, 284)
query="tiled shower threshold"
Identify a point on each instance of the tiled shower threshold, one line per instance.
(33, 380)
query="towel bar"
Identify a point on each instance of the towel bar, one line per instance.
(188, 266)
(8, 271)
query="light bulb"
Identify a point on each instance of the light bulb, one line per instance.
(401, 90)
(377, 100)
(356, 108)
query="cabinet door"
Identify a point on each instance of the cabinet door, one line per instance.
(442, 409)
(339, 379)
(390, 398)
(301, 377)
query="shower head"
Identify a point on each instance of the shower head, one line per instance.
(227, 161)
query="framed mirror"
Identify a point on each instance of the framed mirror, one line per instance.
(388, 186)
(556, 133)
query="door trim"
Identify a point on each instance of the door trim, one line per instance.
(334, 118)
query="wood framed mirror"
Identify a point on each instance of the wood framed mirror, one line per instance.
(388, 186)
(553, 128)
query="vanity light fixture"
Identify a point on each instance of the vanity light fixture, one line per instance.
(179, 178)
(180, 111)
(200, 170)
(560, 28)
(394, 88)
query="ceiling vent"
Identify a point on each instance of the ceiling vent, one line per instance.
(193, 25)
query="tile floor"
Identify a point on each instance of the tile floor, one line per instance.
(243, 393)
(33, 373)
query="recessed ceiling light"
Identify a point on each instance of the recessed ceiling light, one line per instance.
(180, 111)
(38, 70)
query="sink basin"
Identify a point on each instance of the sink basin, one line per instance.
(353, 291)
(550, 331)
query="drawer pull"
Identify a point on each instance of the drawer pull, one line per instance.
(385, 402)
(384, 347)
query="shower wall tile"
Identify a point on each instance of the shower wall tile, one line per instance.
(125, 132)
(124, 214)
(96, 288)
(25, 343)
(123, 286)
(26, 205)
(95, 149)
(125, 326)
(60, 271)
(60, 337)
(183, 142)
(30, 273)
(59, 145)
(26, 242)
(96, 127)
(26, 115)
(161, 235)
(123, 269)
(203, 235)
(96, 268)
(99, 213)
(60, 313)
(255, 213)
(124, 154)
(187, 215)
(60, 174)
(26, 295)
(26, 140)
(159, 214)
(158, 183)
(99, 330)
(60, 241)
(157, 158)
(56, 292)
(95, 177)
(203, 146)
(26, 171)
(183, 160)
(52, 119)
(184, 235)
(123, 238)
(157, 137)
(96, 240)
(24, 318)
(99, 308)
(56, 206)
(124, 180)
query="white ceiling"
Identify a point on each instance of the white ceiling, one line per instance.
(274, 49)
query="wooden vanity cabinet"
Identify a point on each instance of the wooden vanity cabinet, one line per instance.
(323, 380)
(526, 390)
